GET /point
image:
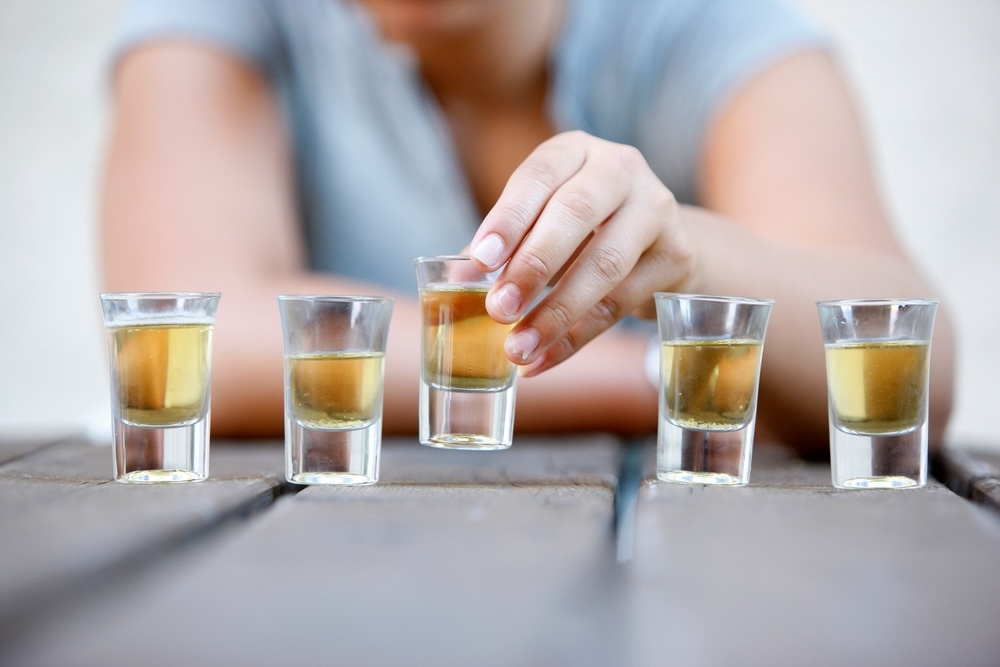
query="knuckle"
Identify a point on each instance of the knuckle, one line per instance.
(610, 264)
(517, 212)
(630, 157)
(567, 345)
(540, 170)
(661, 258)
(535, 264)
(606, 312)
(599, 318)
(580, 204)
(676, 257)
(575, 135)
(664, 200)
(560, 315)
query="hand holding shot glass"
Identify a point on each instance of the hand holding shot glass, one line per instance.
(877, 367)
(710, 356)
(334, 384)
(467, 384)
(160, 354)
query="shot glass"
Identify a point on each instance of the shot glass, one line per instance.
(467, 384)
(334, 380)
(710, 355)
(160, 353)
(877, 368)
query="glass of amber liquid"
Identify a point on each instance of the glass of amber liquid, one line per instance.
(877, 372)
(334, 379)
(467, 384)
(160, 346)
(710, 355)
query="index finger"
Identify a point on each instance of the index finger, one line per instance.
(527, 192)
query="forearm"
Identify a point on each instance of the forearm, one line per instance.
(793, 400)
(603, 387)
(248, 355)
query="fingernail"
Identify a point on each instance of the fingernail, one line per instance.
(523, 343)
(489, 250)
(508, 300)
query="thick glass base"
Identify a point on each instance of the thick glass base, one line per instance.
(688, 477)
(878, 461)
(152, 455)
(693, 456)
(334, 478)
(880, 483)
(317, 456)
(463, 441)
(471, 420)
(159, 476)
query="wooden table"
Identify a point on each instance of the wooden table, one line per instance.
(559, 551)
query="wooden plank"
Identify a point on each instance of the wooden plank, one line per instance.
(12, 448)
(575, 459)
(248, 459)
(66, 528)
(565, 460)
(960, 469)
(516, 569)
(584, 459)
(793, 571)
(987, 492)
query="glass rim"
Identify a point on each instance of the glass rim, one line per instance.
(107, 296)
(337, 298)
(441, 258)
(713, 298)
(914, 301)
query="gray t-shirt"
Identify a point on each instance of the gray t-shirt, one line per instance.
(378, 179)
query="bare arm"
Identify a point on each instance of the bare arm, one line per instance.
(199, 196)
(791, 212)
(788, 160)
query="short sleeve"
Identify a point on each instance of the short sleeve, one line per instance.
(244, 28)
(655, 74)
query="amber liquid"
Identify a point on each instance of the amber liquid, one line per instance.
(463, 345)
(710, 385)
(335, 391)
(878, 387)
(161, 372)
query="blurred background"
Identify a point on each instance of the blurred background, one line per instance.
(927, 75)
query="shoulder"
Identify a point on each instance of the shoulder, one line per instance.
(645, 40)
(651, 73)
(625, 20)
(266, 33)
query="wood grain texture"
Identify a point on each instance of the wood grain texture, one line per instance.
(575, 459)
(66, 528)
(798, 572)
(12, 448)
(458, 558)
(382, 575)
(970, 473)
(508, 558)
